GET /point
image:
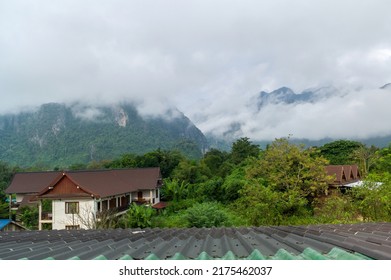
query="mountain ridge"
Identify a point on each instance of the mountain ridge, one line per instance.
(60, 135)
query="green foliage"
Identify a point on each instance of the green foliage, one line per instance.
(336, 208)
(382, 162)
(288, 167)
(207, 214)
(166, 160)
(190, 172)
(210, 190)
(340, 152)
(217, 162)
(165, 220)
(175, 207)
(4, 210)
(242, 149)
(59, 136)
(262, 205)
(174, 190)
(233, 184)
(29, 217)
(6, 173)
(138, 216)
(373, 199)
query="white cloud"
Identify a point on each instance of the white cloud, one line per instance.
(208, 58)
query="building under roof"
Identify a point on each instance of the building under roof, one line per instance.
(343, 174)
(347, 241)
(77, 198)
(9, 225)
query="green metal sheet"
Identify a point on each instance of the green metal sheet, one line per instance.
(256, 255)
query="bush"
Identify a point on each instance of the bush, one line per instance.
(335, 209)
(138, 216)
(208, 214)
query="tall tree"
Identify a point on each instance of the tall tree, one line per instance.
(242, 149)
(366, 157)
(340, 152)
(286, 167)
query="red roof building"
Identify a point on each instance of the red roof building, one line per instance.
(93, 191)
(343, 174)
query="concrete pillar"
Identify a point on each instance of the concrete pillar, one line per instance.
(40, 215)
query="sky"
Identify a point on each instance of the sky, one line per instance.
(209, 59)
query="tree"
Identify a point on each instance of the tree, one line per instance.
(382, 163)
(138, 216)
(373, 198)
(29, 216)
(207, 214)
(289, 167)
(4, 210)
(340, 152)
(174, 190)
(232, 185)
(166, 160)
(242, 149)
(191, 172)
(366, 156)
(216, 160)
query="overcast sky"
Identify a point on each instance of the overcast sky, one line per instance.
(207, 58)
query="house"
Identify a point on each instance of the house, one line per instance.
(9, 225)
(72, 199)
(345, 176)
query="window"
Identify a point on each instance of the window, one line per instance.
(71, 207)
(72, 227)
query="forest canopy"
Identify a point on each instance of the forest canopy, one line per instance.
(285, 183)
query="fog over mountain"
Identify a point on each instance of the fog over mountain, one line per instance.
(210, 59)
(314, 114)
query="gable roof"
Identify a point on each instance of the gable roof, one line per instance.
(100, 183)
(343, 174)
(31, 182)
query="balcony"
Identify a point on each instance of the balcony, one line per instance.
(46, 216)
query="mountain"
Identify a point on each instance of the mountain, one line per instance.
(286, 95)
(318, 115)
(61, 135)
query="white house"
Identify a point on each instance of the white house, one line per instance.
(76, 198)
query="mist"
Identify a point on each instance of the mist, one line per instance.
(209, 59)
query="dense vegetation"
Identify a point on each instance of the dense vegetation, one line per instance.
(285, 183)
(57, 135)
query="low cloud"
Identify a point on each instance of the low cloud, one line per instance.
(209, 59)
(356, 114)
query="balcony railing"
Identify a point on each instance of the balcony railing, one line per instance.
(46, 216)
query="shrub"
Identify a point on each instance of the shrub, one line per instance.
(208, 214)
(138, 216)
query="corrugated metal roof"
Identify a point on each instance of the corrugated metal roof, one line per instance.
(357, 241)
(4, 223)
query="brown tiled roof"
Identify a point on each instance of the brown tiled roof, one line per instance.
(160, 205)
(343, 174)
(31, 182)
(101, 183)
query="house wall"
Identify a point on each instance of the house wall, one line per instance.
(152, 196)
(61, 220)
(19, 197)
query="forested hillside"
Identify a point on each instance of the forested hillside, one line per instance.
(57, 135)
